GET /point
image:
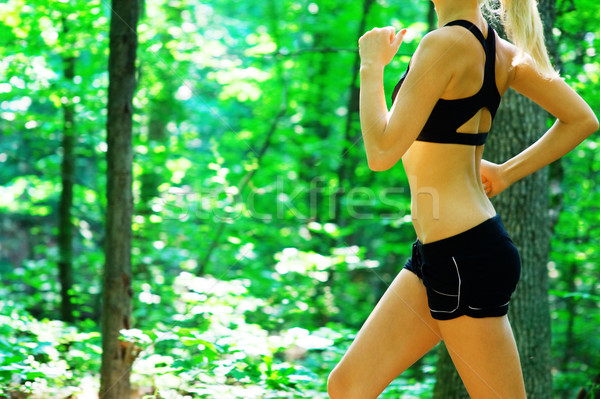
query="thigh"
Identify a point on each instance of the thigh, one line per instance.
(399, 331)
(485, 354)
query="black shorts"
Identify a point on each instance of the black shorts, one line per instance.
(472, 273)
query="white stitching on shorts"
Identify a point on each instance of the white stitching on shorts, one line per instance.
(441, 293)
(458, 302)
(499, 306)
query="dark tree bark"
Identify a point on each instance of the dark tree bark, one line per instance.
(151, 177)
(524, 209)
(571, 307)
(352, 133)
(118, 356)
(65, 223)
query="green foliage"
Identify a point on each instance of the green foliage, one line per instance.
(261, 239)
(43, 355)
(214, 352)
(575, 259)
(210, 349)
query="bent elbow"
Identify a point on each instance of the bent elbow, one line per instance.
(592, 125)
(379, 164)
(381, 158)
(587, 123)
(583, 125)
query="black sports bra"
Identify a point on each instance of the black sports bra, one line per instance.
(449, 115)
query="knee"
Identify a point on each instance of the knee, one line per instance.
(334, 386)
(340, 387)
(333, 389)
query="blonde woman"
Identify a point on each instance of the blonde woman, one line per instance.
(464, 267)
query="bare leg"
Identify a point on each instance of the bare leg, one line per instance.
(485, 355)
(399, 331)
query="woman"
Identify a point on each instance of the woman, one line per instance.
(464, 267)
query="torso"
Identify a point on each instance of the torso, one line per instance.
(446, 191)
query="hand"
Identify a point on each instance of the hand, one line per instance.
(378, 46)
(492, 178)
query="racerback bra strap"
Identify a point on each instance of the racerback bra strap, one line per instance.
(448, 115)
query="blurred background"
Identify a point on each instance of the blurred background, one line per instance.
(261, 240)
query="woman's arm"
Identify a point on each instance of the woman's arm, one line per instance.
(387, 135)
(575, 122)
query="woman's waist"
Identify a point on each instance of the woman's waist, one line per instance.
(437, 215)
(450, 194)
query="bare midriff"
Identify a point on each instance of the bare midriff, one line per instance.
(447, 196)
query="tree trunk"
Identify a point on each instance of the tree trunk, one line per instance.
(118, 356)
(151, 177)
(571, 307)
(524, 211)
(65, 223)
(352, 132)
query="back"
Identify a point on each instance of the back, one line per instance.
(449, 115)
(446, 190)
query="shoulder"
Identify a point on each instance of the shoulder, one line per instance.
(507, 51)
(448, 45)
(433, 64)
(520, 65)
(438, 49)
(442, 41)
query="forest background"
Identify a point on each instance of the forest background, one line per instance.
(261, 240)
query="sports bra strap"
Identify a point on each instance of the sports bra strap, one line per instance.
(448, 115)
(450, 137)
(489, 47)
(470, 26)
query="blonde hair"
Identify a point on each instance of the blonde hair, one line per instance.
(523, 25)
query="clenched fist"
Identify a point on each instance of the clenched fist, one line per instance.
(379, 45)
(492, 178)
